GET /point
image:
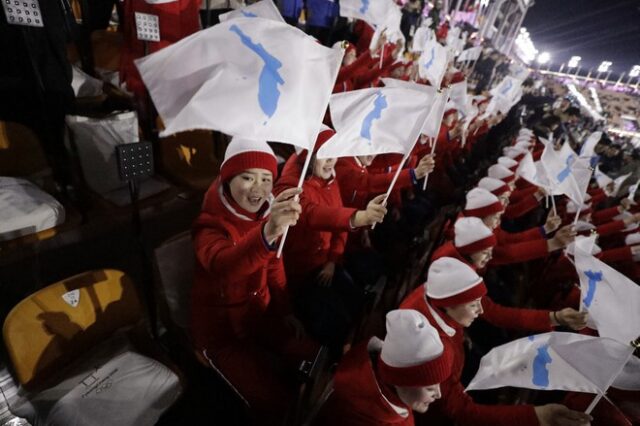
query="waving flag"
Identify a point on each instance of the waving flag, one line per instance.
(553, 361)
(458, 95)
(261, 9)
(432, 64)
(376, 121)
(471, 54)
(632, 190)
(264, 80)
(420, 38)
(588, 147)
(533, 172)
(612, 300)
(604, 181)
(373, 12)
(567, 173)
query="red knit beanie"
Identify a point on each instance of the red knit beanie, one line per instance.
(243, 154)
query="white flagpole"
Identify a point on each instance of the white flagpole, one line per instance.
(415, 134)
(297, 197)
(444, 93)
(635, 344)
(553, 203)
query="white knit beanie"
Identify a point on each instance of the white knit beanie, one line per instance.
(481, 203)
(514, 152)
(243, 154)
(471, 235)
(507, 162)
(494, 186)
(451, 282)
(412, 353)
(498, 171)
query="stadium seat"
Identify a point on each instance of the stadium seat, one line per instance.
(73, 346)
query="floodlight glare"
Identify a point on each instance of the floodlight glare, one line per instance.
(544, 57)
(635, 71)
(604, 66)
(573, 62)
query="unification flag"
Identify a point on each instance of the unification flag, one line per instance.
(261, 9)
(470, 54)
(533, 172)
(264, 80)
(612, 299)
(458, 95)
(553, 361)
(567, 173)
(431, 126)
(376, 121)
(588, 147)
(420, 38)
(605, 181)
(373, 12)
(432, 63)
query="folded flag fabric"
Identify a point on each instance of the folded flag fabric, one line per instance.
(265, 80)
(553, 361)
(376, 121)
(374, 12)
(261, 9)
(612, 299)
(567, 173)
(588, 147)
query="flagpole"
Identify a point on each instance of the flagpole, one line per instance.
(635, 344)
(426, 178)
(296, 198)
(553, 204)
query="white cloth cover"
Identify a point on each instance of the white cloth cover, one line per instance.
(26, 209)
(127, 389)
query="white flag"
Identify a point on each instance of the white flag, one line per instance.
(612, 300)
(604, 181)
(431, 126)
(588, 147)
(432, 64)
(264, 80)
(458, 95)
(567, 174)
(533, 172)
(373, 12)
(420, 38)
(376, 121)
(519, 72)
(507, 88)
(548, 362)
(471, 54)
(261, 9)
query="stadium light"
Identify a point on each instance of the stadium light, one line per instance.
(635, 71)
(604, 66)
(543, 58)
(573, 62)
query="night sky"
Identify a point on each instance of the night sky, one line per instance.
(596, 30)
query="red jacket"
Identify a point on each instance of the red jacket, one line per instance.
(176, 19)
(236, 276)
(321, 232)
(358, 185)
(359, 398)
(456, 406)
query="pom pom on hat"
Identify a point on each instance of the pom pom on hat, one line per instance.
(509, 163)
(451, 282)
(243, 154)
(498, 171)
(493, 185)
(481, 203)
(413, 354)
(471, 235)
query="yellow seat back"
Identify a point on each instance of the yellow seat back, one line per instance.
(52, 327)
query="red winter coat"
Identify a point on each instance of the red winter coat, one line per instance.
(358, 185)
(236, 276)
(321, 232)
(456, 406)
(359, 398)
(177, 20)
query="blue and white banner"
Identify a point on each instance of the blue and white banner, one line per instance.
(249, 77)
(432, 64)
(374, 12)
(553, 361)
(261, 9)
(612, 299)
(376, 121)
(567, 173)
